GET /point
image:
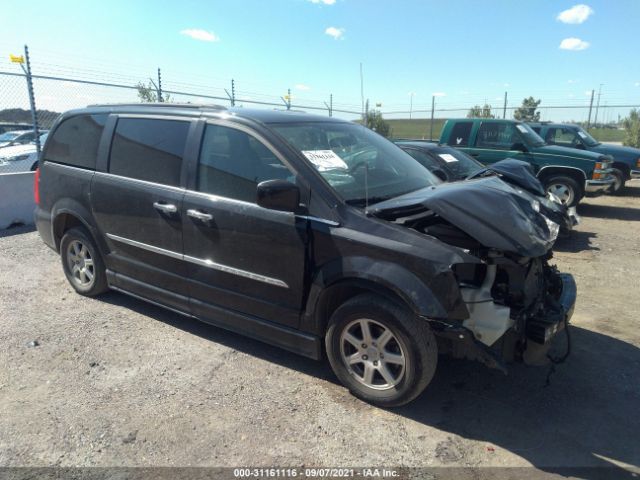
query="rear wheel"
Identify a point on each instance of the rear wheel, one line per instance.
(618, 184)
(82, 263)
(380, 351)
(565, 188)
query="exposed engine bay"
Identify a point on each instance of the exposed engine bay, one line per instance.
(517, 302)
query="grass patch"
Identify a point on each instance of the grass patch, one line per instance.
(607, 134)
(416, 128)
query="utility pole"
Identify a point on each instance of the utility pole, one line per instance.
(433, 106)
(590, 108)
(287, 99)
(595, 120)
(504, 109)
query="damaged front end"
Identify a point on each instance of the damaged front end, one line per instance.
(517, 302)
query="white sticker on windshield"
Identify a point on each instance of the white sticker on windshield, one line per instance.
(522, 128)
(325, 160)
(582, 135)
(447, 157)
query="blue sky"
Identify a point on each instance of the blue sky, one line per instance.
(465, 51)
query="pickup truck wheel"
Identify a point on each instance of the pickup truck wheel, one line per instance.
(380, 351)
(565, 188)
(82, 263)
(618, 185)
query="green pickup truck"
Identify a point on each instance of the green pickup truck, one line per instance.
(626, 160)
(567, 173)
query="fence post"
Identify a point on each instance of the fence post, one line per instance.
(160, 99)
(504, 109)
(32, 99)
(590, 108)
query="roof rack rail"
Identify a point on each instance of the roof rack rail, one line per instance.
(195, 106)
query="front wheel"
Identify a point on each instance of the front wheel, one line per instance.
(565, 188)
(618, 185)
(380, 351)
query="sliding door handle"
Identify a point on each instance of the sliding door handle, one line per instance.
(165, 207)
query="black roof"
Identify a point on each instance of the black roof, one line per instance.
(191, 109)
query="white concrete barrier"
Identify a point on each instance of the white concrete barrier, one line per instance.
(16, 198)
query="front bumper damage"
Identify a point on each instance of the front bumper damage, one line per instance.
(528, 343)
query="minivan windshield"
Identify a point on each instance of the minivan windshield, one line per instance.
(360, 165)
(586, 138)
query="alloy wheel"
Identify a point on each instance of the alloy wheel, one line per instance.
(80, 263)
(562, 191)
(372, 354)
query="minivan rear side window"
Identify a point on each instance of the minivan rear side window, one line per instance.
(149, 149)
(460, 134)
(75, 141)
(232, 163)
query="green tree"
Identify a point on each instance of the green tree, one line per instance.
(378, 124)
(480, 112)
(631, 126)
(528, 111)
(148, 93)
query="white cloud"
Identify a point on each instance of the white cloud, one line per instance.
(302, 86)
(439, 94)
(199, 34)
(335, 32)
(571, 82)
(576, 14)
(587, 93)
(507, 85)
(637, 84)
(326, 2)
(573, 43)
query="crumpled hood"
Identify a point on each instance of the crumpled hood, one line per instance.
(487, 209)
(517, 173)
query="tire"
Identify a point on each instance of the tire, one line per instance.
(82, 263)
(566, 188)
(407, 339)
(618, 187)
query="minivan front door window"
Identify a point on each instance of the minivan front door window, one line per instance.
(232, 163)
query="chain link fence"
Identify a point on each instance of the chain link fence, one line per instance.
(55, 94)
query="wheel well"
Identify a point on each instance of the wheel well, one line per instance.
(62, 223)
(624, 168)
(577, 175)
(338, 293)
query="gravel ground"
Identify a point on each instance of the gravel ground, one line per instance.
(117, 382)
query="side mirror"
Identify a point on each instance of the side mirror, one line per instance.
(441, 174)
(580, 146)
(278, 195)
(521, 147)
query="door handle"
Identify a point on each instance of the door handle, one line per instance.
(198, 215)
(165, 207)
(474, 154)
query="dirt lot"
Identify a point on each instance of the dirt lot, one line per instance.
(114, 381)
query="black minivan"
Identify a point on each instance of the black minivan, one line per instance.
(311, 233)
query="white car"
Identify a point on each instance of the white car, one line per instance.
(17, 137)
(20, 158)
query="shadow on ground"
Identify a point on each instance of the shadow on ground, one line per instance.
(576, 241)
(586, 417)
(16, 230)
(612, 211)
